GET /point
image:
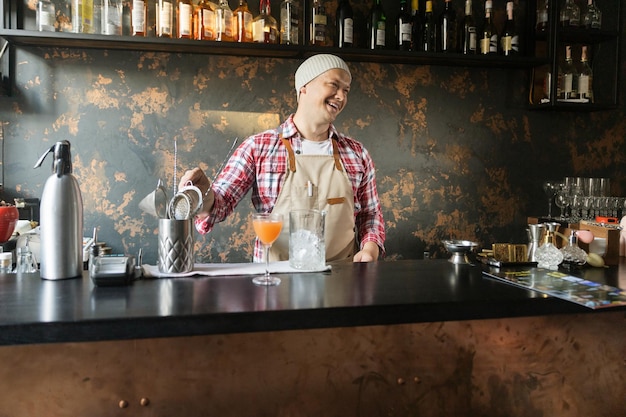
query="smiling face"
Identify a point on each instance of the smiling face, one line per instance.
(324, 97)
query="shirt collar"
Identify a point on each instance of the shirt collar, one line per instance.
(290, 130)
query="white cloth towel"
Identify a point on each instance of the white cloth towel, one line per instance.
(216, 270)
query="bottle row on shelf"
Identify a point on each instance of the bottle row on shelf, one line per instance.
(574, 81)
(413, 28)
(571, 15)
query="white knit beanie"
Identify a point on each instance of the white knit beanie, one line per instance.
(317, 65)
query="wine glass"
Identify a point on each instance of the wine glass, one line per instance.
(550, 188)
(562, 201)
(267, 227)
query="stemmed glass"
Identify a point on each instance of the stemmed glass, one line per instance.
(550, 188)
(267, 227)
(562, 201)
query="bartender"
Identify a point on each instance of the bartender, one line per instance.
(305, 163)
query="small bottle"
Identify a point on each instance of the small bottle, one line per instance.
(184, 21)
(510, 39)
(164, 18)
(318, 25)
(139, 17)
(289, 22)
(376, 23)
(45, 16)
(447, 28)
(264, 26)
(25, 263)
(6, 262)
(570, 14)
(592, 17)
(204, 21)
(489, 37)
(585, 77)
(416, 26)
(567, 87)
(467, 42)
(429, 29)
(573, 255)
(345, 24)
(223, 22)
(242, 22)
(548, 255)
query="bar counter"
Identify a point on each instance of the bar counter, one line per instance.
(380, 293)
(396, 338)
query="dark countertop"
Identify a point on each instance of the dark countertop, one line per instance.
(388, 292)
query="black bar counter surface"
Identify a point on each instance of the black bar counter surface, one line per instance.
(33, 310)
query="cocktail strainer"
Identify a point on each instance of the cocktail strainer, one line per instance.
(185, 203)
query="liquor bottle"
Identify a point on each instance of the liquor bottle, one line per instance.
(585, 77)
(570, 14)
(112, 17)
(223, 22)
(264, 26)
(45, 16)
(318, 24)
(242, 19)
(567, 86)
(289, 22)
(164, 18)
(345, 24)
(403, 27)
(77, 16)
(126, 18)
(139, 17)
(489, 35)
(543, 10)
(447, 28)
(87, 24)
(184, 19)
(429, 29)
(416, 26)
(592, 17)
(467, 41)
(547, 87)
(376, 26)
(204, 21)
(91, 16)
(510, 39)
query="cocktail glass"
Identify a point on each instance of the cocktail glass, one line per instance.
(267, 227)
(550, 188)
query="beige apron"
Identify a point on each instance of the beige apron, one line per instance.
(318, 182)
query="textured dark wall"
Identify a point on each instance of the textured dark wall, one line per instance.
(458, 154)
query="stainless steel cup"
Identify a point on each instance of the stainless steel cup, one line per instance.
(176, 241)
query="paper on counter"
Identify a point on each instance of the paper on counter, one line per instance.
(217, 270)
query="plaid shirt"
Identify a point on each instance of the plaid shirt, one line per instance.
(260, 162)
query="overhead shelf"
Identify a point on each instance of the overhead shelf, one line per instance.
(20, 37)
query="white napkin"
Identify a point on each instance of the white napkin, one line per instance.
(216, 270)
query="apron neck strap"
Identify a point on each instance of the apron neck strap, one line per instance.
(292, 157)
(336, 155)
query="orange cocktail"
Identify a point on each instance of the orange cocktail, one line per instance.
(267, 227)
(267, 230)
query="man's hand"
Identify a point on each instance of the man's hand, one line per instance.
(369, 253)
(198, 178)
